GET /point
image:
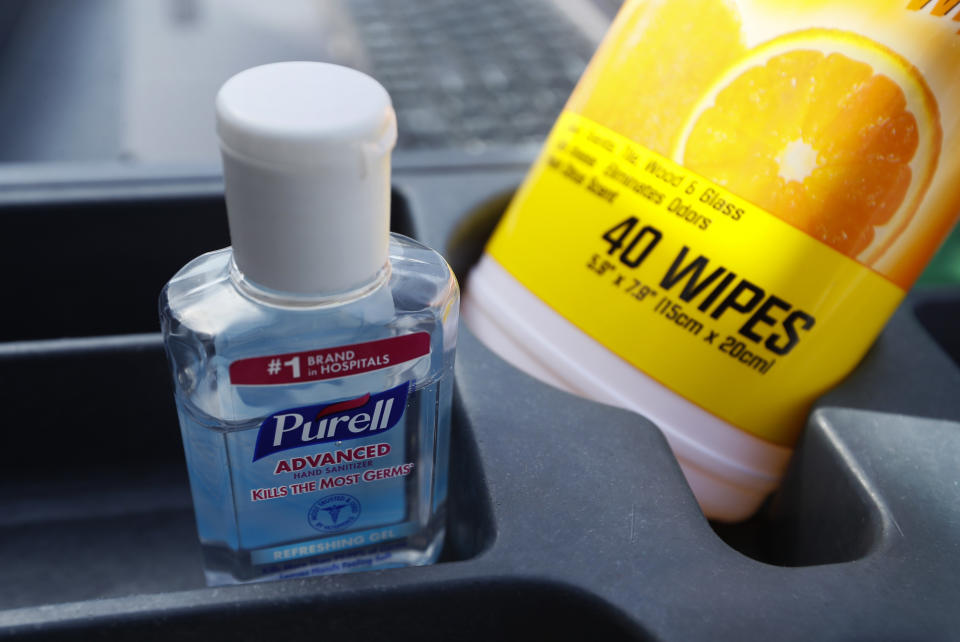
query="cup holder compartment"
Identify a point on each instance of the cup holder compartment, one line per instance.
(95, 501)
(825, 512)
(95, 485)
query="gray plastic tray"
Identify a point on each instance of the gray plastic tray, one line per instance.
(568, 518)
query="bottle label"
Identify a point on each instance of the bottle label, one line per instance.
(328, 363)
(737, 197)
(332, 476)
(344, 420)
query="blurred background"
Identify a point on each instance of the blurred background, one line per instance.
(112, 93)
(133, 81)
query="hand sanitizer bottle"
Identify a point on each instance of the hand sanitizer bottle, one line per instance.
(313, 359)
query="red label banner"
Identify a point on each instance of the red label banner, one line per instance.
(328, 363)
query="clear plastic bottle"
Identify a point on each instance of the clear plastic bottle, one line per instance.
(313, 360)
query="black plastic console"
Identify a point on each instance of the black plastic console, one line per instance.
(568, 519)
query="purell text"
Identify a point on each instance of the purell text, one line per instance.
(338, 421)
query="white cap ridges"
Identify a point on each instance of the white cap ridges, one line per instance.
(306, 162)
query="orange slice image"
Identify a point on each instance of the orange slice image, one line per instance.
(827, 130)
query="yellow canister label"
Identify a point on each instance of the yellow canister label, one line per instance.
(724, 303)
(740, 192)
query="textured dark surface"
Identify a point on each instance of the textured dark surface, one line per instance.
(568, 519)
(466, 74)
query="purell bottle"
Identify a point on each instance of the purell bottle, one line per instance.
(313, 359)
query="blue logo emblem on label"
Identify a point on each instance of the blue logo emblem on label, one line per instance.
(338, 421)
(334, 513)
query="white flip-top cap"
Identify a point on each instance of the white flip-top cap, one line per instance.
(306, 162)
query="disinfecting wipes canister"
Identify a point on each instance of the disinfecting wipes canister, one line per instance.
(735, 199)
